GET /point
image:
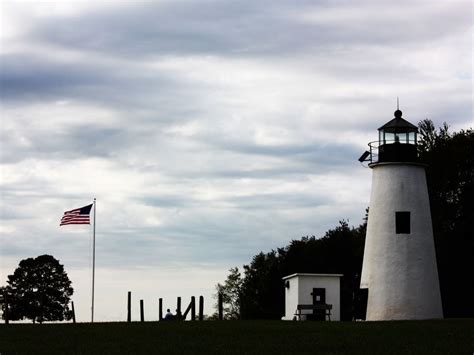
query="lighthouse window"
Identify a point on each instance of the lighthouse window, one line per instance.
(402, 222)
(389, 137)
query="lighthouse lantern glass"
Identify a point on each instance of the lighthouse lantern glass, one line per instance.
(401, 137)
(404, 137)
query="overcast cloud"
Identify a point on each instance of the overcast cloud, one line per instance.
(208, 131)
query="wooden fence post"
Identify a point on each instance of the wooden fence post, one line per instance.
(193, 308)
(241, 307)
(73, 312)
(142, 311)
(178, 309)
(160, 309)
(190, 307)
(221, 308)
(129, 307)
(6, 314)
(201, 308)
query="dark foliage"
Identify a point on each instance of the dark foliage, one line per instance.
(450, 177)
(39, 290)
(230, 292)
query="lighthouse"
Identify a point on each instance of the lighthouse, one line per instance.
(399, 268)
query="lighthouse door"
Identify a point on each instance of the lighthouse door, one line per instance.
(319, 297)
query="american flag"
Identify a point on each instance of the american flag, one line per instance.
(77, 216)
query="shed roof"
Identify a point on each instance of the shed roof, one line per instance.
(311, 275)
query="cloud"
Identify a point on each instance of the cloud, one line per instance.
(247, 28)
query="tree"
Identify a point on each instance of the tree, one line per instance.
(450, 177)
(230, 291)
(39, 290)
(262, 288)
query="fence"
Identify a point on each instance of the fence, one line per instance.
(190, 310)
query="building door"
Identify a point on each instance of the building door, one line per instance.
(360, 303)
(319, 297)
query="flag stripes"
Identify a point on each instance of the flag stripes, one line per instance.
(77, 216)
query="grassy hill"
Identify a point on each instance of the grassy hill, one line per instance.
(241, 337)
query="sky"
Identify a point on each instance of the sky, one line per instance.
(207, 130)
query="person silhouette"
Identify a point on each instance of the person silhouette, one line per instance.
(168, 315)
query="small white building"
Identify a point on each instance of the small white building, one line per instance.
(311, 289)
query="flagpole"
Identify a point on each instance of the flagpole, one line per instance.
(93, 264)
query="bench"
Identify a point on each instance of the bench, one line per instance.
(318, 307)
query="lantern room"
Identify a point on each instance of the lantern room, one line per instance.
(397, 142)
(398, 130)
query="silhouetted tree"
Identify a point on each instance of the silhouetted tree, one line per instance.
(39, 290)
(230, 291)
(262, 287)
(450, 176)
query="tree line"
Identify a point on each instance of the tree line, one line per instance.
(259, 293)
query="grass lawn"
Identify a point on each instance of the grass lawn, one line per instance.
(453, 336)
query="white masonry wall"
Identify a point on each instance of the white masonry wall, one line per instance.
(291, 298)
(301, 287)
(400, 270)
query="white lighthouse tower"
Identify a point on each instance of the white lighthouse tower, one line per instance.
(399, 268)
